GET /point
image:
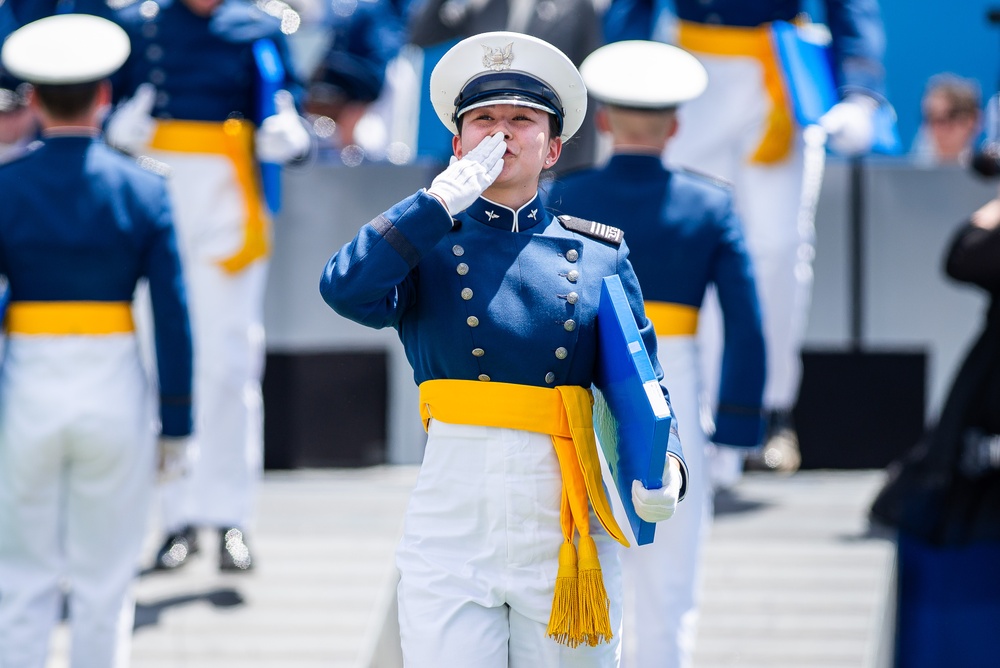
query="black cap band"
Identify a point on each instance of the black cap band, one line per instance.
(510, 86)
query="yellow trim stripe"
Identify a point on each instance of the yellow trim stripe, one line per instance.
(752, 42)
(69, 318)
(234, 140)
(672, 319)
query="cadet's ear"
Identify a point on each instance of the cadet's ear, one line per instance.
(601, 120)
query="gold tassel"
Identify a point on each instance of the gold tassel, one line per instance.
(564, 621)
(593, 610)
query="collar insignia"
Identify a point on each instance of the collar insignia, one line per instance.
(490, 215)
(498, 59)
(533, 213)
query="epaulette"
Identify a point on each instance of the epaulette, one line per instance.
(588, 228)
(714, 180)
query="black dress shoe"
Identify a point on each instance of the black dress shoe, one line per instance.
(780, 453)
(234, 555)
(177, 549)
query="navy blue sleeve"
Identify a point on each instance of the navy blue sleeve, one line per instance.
(629, 19)
(858, 45)
(172, 328)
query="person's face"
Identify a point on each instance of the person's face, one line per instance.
(202, 7)
(951, 131)
(15, 125)
(530, 149)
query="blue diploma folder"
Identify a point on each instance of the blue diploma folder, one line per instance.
(631, 417)
(271, 75)
(808, 70)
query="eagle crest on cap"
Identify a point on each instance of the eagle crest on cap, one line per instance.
(498, 59)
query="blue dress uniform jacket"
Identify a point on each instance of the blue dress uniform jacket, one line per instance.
(472, 299)
(858, 41)
(203, 68)
(685, 237)
(110, 227)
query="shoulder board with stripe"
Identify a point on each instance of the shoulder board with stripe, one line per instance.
(589, 228)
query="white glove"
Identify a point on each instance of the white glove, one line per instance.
(656, 505)
(282, 137)
(173, 457)
(131, 125)
(465, 180)
(850, 125)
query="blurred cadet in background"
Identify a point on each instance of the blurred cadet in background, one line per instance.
(743, 130)
(206, 91)
(80, 226)
(951, 121)
(572, 26)
(363, 38)
(684, 237)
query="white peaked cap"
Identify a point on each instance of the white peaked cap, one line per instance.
(65, 49)
(508, 68)
(643, 75)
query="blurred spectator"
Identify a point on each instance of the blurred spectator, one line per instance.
(364, 36)
(17, 121)
(951, 116)
(572, 26)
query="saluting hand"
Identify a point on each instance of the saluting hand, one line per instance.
(282, 136)
(465, 180)
(131, 125)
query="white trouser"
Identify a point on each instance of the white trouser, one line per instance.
(719, 131)
(479, 555)
(227, 326)
(662, 579)
(76, 469)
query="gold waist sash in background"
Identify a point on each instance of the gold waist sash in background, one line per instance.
(68, 318)
(670, 319)
(751, 42)
(232, 139)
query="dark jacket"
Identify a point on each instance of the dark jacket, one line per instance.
(932, 493)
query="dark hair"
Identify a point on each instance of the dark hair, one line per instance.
(553, 124)
(67, 101)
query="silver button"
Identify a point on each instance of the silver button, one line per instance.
(162, 99)
(550, 378)
(149, 29)
(573, 276)
(561, 353)
(483, 377)
(472, 321)
(466, 294)
(569, 325)
(157, 76)
(478, 352)
(572, 298)
(572, 255)
(462, 269)
(458, 250)
(154, 52)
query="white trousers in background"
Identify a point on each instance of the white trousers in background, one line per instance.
(719, 131)
(227, 327)
(479, 555)
(662, 579)
(76, 470)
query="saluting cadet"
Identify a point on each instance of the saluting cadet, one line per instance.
(495, 300)
(196, 102)
(743, 130)
(684, 237)
(80, 226)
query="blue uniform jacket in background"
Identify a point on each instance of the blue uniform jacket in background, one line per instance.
(684, 237)
(82, 222)
(474, 300)
(858, 39)
(203, 68)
